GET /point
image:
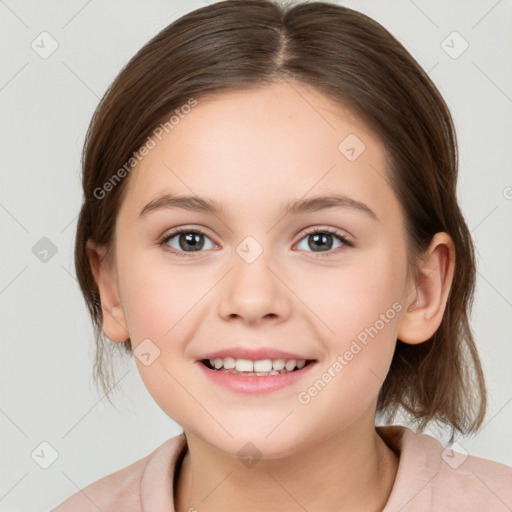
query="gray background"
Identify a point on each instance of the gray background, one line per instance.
(47, 392)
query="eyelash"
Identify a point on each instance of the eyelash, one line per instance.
(166, 238)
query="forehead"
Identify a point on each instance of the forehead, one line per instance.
(264, 147)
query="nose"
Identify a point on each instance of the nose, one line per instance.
(253, 293)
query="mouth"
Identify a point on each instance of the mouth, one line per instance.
(256, 368)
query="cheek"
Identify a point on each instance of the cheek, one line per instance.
(359, 309)
(157, 296)
(166, 302)
(347, 300)
(161, 303)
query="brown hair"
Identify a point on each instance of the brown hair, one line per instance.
(351, 59)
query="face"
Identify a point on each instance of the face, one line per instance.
(322, 282)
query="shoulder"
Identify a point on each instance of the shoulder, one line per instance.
(122, 489)
(118, 489)
(431, 477)
(479, 483)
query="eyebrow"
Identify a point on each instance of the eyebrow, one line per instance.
(297, 207)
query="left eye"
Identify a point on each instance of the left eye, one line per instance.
(322, 239)
(187, 242)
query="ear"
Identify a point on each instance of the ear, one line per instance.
(114, 321)
(428, 293)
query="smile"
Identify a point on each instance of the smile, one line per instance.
(255, 377)
(260, 368)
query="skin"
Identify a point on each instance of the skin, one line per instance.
(250, 151)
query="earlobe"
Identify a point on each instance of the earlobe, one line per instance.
(114, 321)
(427, 296)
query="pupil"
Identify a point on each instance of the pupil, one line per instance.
(319, 239)
(191, 240)
(195, 241)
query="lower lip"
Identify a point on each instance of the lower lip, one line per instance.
(252, 384)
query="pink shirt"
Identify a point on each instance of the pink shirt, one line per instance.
(429, 479)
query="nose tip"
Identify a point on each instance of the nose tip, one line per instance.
(253, 293)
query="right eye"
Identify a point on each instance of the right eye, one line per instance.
(183, 241)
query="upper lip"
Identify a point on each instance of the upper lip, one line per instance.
(254, 354)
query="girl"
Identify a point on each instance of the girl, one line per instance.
(270, 227)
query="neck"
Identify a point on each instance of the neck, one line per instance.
(353, 470)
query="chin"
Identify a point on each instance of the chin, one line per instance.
(254, 441)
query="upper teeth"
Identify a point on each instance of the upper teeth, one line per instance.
(262, 365)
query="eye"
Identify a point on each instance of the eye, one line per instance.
(323, 240)
(185, 241)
